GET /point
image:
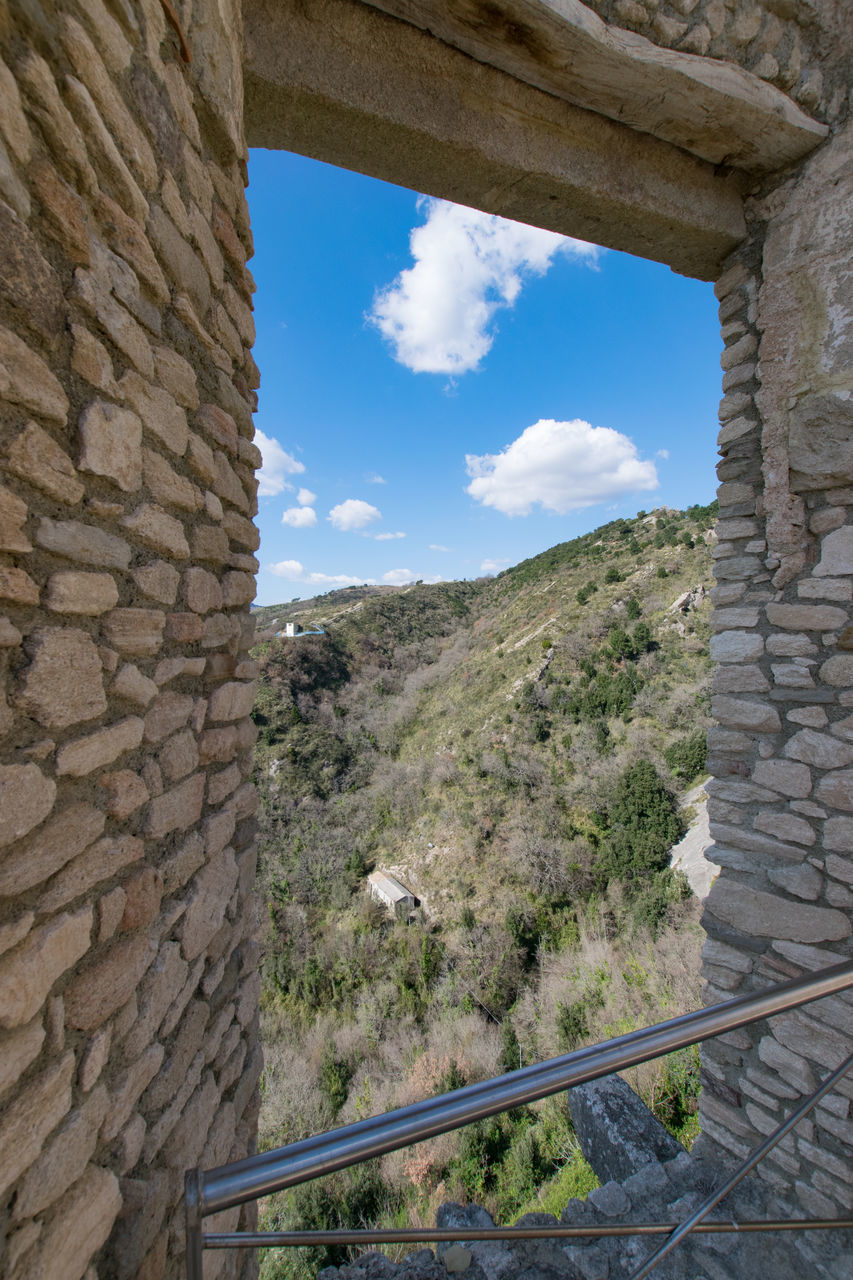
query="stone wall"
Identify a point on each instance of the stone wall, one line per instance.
(792, 44)
(128, 991)
(782, 800)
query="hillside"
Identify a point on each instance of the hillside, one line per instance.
(511, 749)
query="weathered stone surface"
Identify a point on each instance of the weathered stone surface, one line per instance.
(177, 376)
(135, 632)
(617, 1132)
(159, 581)
(63, 684)
(238, 589)
(28, 282)
(177, 809)
(20, 1048)
(231, 701)
(26, 798)
(785, 776)
(28, 1120)
(131, 684)
(222, 784)
(806, 617)
(802, 882)
(64, 1158)
(128, 240)
(179, 756)
(111, 444)
(201, 591)
(17, 585)
(125, 792)
(91, 360)
(155, 528)
(100, 861)
(110, 912)
(89, 594)
(838, 834)
(161, 416)
(761, 914)
(130, 1087)
(836, 790)
(736, 646)
(838, 671)
(28, 973)
(738, 713)
(836, 554)
(819, 749)
(37, 858)
(83, 543)
(168, 714)
(166, 486)
(13, 514)
(786, 827)
(103, 986)
(143, 893)
(79, 1224)
(211, 891)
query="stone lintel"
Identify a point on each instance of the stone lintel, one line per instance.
(345, 83)
(713, 109)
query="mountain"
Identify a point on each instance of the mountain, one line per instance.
(511, 749)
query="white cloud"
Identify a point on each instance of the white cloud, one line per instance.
(353, 514)
(375, 478)
(386, 537)
(662, 453)
(565, 466)
(306, 498)
(398, 577)
(493, 566)
(293, 571)
(299, 517)
(436, 546)
(277, 464)
(290, 569)
(438, 315)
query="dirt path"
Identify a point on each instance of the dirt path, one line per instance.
(689, 854)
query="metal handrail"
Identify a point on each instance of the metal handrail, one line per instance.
(261, 1175)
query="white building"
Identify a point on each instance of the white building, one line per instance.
(393, 895)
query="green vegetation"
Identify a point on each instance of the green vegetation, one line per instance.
(511, 749)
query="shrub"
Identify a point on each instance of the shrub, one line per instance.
(686, 756)
(633, 608)
(612, 575)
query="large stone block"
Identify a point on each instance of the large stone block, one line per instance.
(105, 985)
(211, 893)
(79, 1225)
(760, 914)
(618, 1134)
(176, 810)
(37, 458)
(34, 1114)
(26, 798)
(111, 444)
(79, 759)
(42, 854)
(63, 684)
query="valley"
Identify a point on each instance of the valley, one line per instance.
(513, 750)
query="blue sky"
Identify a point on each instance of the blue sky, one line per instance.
(443, 393)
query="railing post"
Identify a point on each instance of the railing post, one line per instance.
(192, 1202)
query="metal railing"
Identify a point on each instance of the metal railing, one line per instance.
(233, 1184)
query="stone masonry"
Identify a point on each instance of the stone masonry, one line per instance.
(128, 983)
(128, 986)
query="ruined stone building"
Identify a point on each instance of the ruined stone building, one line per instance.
(712, 135)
